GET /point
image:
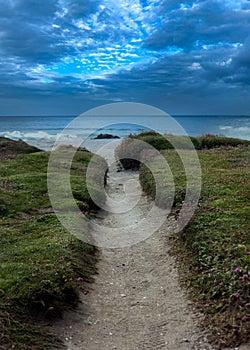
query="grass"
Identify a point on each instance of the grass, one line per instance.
(10, 148)
(213, 250)
(43, 266)
(148, 180)
(131, 150)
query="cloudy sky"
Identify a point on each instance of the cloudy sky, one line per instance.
(66, 56)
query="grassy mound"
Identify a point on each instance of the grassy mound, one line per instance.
(131, 153)
(10, 148)
(43, 266)
(148, 180)
(214, 250)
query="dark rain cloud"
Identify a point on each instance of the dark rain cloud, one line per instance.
(242, 59)
(25, 28)
(82, 9)
(199, 23)
(209, 39)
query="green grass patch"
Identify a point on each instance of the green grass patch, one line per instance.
(131, 153)
(176, 178)
(43, 266)
(213, 250)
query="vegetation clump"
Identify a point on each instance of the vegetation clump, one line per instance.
(43, 267)
(215, 246)
(214, 249)
(209, 141)
(130, 153)
(10, 148)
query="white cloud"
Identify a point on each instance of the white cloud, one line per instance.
(195, 66)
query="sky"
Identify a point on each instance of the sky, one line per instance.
(66, 56)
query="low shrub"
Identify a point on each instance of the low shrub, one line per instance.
(154, 139)
(130, 153)
(209, 141)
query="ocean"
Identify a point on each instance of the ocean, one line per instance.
(42, 131)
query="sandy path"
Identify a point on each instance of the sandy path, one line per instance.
(136, 301)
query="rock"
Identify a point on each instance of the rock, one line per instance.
(106, 136)
(135, 303)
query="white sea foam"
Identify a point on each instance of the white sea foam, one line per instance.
(242, 132)
(29, 135)
(40, 139)
(225, 127)
(45, 141)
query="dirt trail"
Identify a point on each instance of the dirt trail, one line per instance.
(136, 301)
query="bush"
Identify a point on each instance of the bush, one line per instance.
(131, 153)
(196, 142)
(209, 141)
(154, 139)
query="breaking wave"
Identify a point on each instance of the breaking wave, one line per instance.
(40, 139)
(241, 132)
(45, 141)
